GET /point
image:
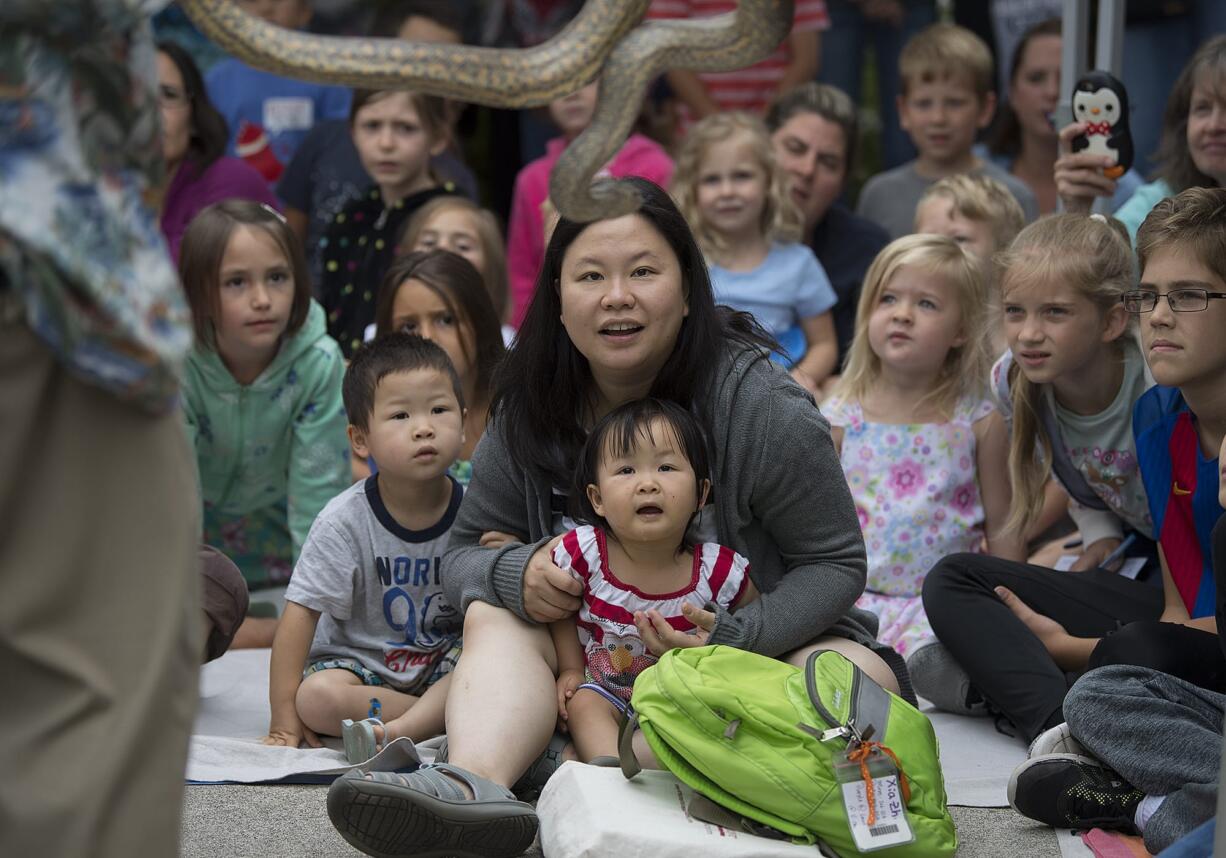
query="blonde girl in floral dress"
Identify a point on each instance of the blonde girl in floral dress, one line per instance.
(923, 448)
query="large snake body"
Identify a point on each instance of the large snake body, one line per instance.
(606, 39)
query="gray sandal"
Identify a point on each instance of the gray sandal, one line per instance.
(359, 739)
(425, 814)
(531, 782)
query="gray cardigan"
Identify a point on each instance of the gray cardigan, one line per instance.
(779, 499)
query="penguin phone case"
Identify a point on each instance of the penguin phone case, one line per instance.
(1101, 102)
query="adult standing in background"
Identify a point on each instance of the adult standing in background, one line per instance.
(99, 622)
(885, 25)
(813, 128)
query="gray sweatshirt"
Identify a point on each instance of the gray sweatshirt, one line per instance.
(780, 499)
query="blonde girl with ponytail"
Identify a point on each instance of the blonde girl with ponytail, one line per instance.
(1067, 385)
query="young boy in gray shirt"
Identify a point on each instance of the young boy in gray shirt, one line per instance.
(365, 612)
(946, 99)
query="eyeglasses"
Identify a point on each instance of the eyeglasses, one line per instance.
(171, 97)
(1180, 300)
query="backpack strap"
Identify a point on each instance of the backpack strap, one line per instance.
(625, 744)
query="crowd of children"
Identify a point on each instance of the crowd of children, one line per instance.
(991, 376)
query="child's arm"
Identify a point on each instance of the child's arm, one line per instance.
(570, 661)
(1174, 610)
(992, 467)
(688, 87)
(806, 49)
(821, 351)
(289, 654)
(748, 594)
(320, 460)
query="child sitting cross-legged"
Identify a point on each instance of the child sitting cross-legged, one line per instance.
(365, 612)
(642, 476)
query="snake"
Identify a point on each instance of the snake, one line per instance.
(608, 40)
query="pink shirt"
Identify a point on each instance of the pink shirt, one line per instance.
(749, 89)
(526, 230)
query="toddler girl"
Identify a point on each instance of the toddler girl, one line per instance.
(1071, 377)
(530, 206)
(642, 475)
(440, 296)
(736, 199)
(396, 133)
(261, 392)
(922, 445)
(461, 226)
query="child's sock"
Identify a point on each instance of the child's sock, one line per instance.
(1145, 809)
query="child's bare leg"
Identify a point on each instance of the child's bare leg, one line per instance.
(423, 719)
(327, 697)
(592, 722)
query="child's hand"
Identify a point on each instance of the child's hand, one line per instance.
(497, 539)
(568, 681)
(660, 637)
(291, 733)
(802, 378)
(1095, 554)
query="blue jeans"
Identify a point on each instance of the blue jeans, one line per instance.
(842, 62)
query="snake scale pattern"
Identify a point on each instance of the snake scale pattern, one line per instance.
(608, 39)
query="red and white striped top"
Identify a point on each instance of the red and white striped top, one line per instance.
(752, 88)
(614, 652)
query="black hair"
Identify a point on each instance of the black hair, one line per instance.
(207, 129)
(463, 291)
(620, 431)
(543, 389)
(382, 356)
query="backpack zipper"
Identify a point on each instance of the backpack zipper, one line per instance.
(837, 730)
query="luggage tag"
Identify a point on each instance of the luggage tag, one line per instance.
(875, 796)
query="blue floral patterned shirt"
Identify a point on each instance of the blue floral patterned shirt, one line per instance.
(79, 150)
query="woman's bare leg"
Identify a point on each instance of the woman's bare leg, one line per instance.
(502, 707)
(858, 654)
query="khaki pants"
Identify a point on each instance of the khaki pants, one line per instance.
(99, 641)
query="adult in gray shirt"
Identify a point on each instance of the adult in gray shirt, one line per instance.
(623, 310)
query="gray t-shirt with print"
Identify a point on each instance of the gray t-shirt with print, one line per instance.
(377, 586)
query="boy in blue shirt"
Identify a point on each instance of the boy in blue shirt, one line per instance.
(269, 115)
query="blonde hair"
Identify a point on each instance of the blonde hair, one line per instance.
(780, 218)
(1092, 257)
(946, 52)
(965, 371)
(982, 199)
(489, 233)
(1194, 220)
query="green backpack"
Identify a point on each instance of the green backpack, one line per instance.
(770, 742)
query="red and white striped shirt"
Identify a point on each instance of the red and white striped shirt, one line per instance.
(752, 88)
(613, 650)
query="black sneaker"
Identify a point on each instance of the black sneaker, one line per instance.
(1072, 791)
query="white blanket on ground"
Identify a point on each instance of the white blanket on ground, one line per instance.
(233, 717)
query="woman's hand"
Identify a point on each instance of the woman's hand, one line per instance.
(802, 378)
(1079, 175)
(550, 593)
(660, 637)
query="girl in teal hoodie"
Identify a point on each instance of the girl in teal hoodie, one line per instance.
(262, 393)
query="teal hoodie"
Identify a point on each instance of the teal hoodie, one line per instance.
(274, 451)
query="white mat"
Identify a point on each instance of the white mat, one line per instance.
(233, 717)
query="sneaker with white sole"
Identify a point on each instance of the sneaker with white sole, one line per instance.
(1057, 740)
(1070, 791)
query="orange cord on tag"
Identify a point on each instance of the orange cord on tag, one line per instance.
(860, 754)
